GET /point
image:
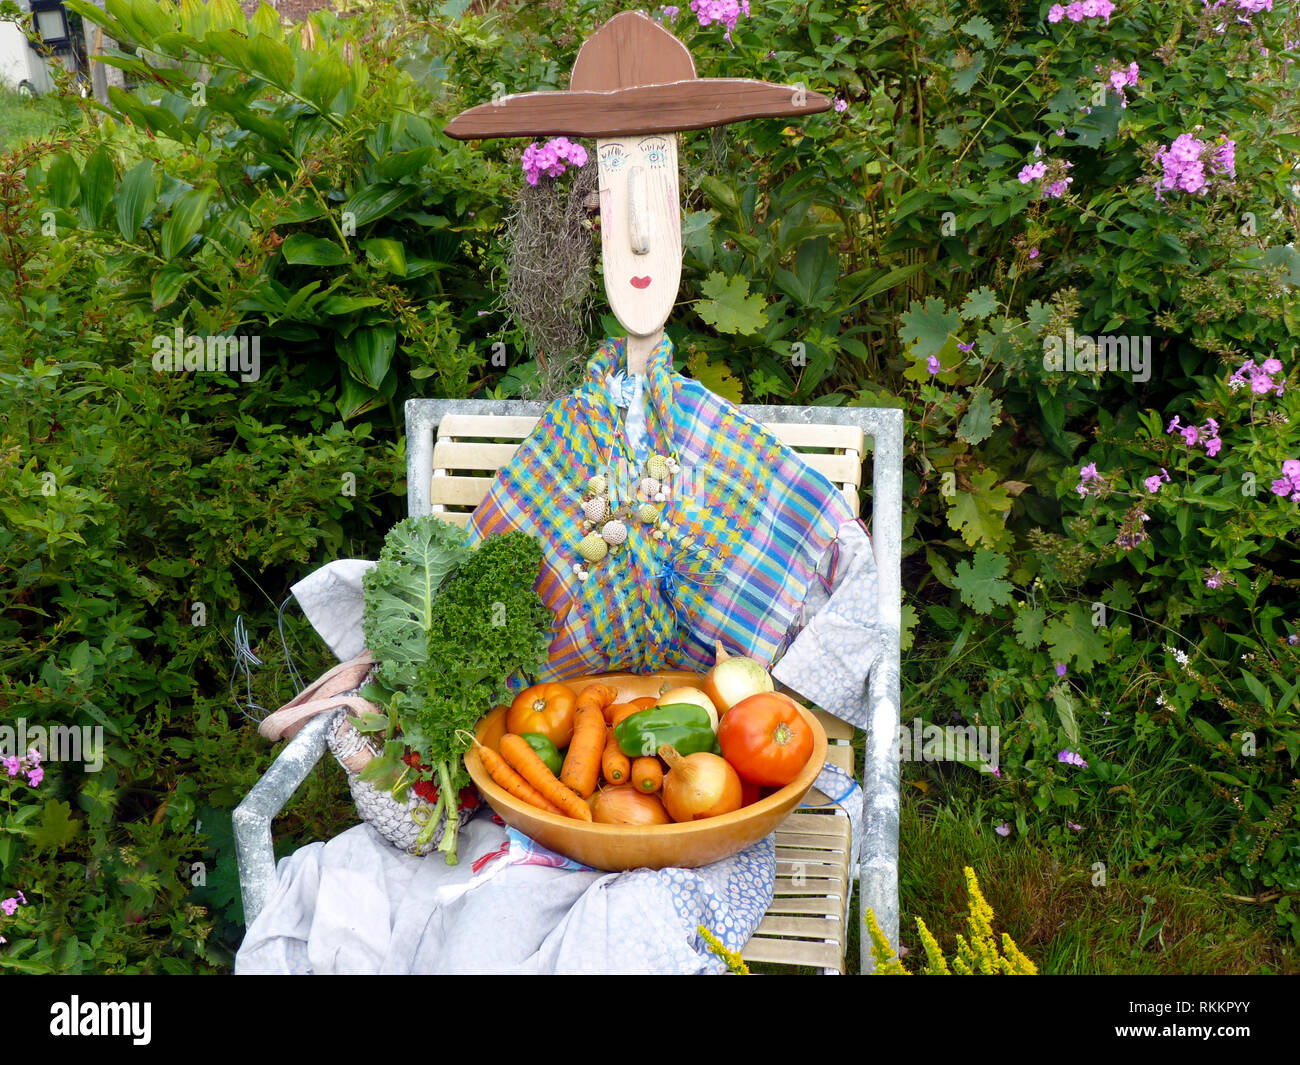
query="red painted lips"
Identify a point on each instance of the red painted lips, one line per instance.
(640, 282)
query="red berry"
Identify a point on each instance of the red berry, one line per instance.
(426, 790)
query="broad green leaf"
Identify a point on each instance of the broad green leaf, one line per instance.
(56, 829)
(305, 250)
(325, 79)
(186, 218)
(167, 284)
(376, 201)
(729, 307)
(908, 621)
(716, 377)
(1257, 689)
(98, 181)
(63, 180)
(1028, 624)
(927, 328)
(272, 60)
(1064, 703)
(979, 304)
(402, 164)
(813, 278)
(368, 353)
(980, 515)
(1073, 636)
(387, 254)
(981, 585)
(981, 416)
(134, 199)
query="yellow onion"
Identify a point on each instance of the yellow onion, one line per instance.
(699, 785)
(626, 806)
(691, 695)
(733, 678)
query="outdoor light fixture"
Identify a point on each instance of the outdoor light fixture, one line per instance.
(52, 24)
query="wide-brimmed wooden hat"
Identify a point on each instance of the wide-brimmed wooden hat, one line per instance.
(633, 76)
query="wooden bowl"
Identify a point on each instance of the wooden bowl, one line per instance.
(616, 848)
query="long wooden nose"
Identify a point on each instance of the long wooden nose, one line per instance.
(638, 216)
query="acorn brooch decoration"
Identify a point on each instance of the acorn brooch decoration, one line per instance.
(605, 527)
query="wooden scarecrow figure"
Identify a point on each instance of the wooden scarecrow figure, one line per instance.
(669, 519)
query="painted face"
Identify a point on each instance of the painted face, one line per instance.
(640, 228)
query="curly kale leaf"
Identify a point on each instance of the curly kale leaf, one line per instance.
(418, 556)
(487, 625)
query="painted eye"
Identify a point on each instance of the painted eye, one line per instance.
(656, 157)
(612, 161)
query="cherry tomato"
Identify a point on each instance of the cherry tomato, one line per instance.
(766, 739)
(546, 709)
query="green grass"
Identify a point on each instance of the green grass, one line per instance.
(21, 119)
(1054, 907)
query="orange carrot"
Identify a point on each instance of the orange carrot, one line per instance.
(647, 774)
(512, 782)
(612, 711)
(524, 760)
(581, 769)
(622, 711)
(614, 763)
(598, 695)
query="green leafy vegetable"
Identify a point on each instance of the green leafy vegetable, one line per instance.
(450, 625)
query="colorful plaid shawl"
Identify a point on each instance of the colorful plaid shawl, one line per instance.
(749, 523)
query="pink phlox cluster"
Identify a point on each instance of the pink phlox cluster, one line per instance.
(1190, 164)
(726, 12)
(550, 158)
(1081, 10)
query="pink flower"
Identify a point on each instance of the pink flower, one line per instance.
(1033, 253)
(1175, 425)
(1032, 172)
(1212, 446)
(1190, 434)
(932, 364)
(35, 776)
(13, 765)
(1003, 830)
(1153, 482)
(9, 906)
(1060, 669)
(1261, 383)
(841, 105)
(1070, 758)
(1271, 366)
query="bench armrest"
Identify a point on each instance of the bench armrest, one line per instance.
(252, 818)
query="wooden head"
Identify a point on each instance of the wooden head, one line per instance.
(640, 230)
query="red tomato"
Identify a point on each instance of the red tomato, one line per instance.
(766, 739)
(546, 709)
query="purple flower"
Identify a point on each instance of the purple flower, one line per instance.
(841, 105)
(1032, 172)
(9, 906)
(1089, 472)
(1261, 383)
(1153, 482)
(671, 12)
(932, 364)
(1191, 434)
(1070, 758)
(1271, 366)
(1003, 830)
(1212, 446)
(1073, 826)
(1175, 425)
(1293, 639)
(35, 776)
(13, 765)
(550, 158)
(1060, 669)
(965, 347)
(1033, 253)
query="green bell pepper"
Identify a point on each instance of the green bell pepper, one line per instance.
(684, 726)
(546, 750)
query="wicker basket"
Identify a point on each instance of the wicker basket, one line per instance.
(400, 821)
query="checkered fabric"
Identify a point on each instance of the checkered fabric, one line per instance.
(749, 523)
